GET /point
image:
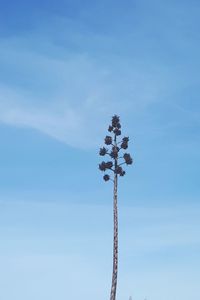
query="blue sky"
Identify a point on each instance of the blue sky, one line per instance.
(66, 68)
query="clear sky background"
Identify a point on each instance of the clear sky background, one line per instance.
(65, 68)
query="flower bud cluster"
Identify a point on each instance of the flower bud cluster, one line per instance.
(115, 127)
(114, 166)
(128, 159)
(105, 165)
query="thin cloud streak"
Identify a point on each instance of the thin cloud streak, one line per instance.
(77, 92)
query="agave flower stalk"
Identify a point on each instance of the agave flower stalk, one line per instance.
(114, 166)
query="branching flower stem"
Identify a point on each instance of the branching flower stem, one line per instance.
(122, 164)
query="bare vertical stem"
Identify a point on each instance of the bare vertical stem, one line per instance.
(115, 241)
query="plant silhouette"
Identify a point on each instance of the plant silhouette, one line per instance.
(114, 149)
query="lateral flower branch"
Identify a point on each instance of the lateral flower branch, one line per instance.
(114, 148)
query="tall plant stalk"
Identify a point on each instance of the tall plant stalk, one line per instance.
(114, 166)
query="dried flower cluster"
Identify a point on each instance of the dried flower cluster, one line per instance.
(114, 152)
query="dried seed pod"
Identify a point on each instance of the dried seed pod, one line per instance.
(106, 177)
(122, 173)
(117, 131)
(110, 128)
(128, 159)
(124, 145)
(118, 170)
(102, 166)
(108, 140)
(125, 139)
(115, 121)
(109, 164)
(102, 151)
(114, 152)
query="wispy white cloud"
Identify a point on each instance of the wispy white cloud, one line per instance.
(63, 86)
(73, 97)
(65, 97)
